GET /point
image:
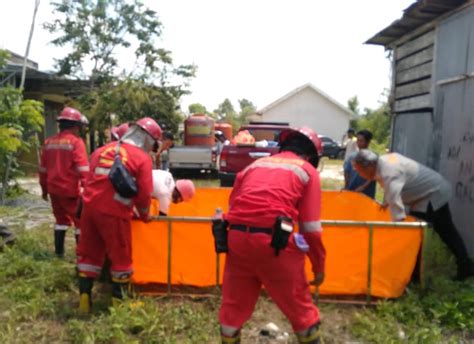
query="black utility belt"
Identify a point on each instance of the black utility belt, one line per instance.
(244, 228)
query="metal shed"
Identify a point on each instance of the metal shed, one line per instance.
(432, 95)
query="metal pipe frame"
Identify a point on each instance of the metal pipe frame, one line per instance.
(331, 223)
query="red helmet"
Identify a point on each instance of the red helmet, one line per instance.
(307, 132)
(150, 126)
(119, 131)
(71, 114)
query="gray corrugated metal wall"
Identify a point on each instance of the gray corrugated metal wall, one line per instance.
(412, 134)
(453, 148)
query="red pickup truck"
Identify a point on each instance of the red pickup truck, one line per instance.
(235, 158)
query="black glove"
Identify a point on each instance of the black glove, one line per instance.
(219, 231)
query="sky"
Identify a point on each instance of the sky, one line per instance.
(259, 50)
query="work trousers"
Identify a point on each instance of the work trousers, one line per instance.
(104, 235)
(64, 210)
(251, 263)
(442, 223)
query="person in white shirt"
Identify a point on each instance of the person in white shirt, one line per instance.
(165, 190)
(410, 187)
(350, 144)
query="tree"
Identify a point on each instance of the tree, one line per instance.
(97, 32)
(377, 121)
(130, 99)
(20, 120)
(225, 111)
(197, 108)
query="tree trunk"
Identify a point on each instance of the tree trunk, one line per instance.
(6, 176)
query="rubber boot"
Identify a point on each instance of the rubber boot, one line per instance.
(310, 336)
(120, 288)
(235, 339)
(59, 243)
(85, 294)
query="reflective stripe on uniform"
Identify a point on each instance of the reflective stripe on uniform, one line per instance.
(63, 146)
(89, 267)
(121, 275)
(60, 227)
(42, 169)
(83, 168)
(102, 171)
(123, 200)
(77, 231)
(300, 172)
(311, 226)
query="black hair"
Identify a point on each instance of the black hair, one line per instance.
(302, 146)
(366, 134)
(66, 124)
(168, 135)
(351, 131)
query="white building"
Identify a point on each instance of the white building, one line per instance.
(308, 106)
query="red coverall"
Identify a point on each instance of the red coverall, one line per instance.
(283, 184)
(106, 215)
(64, 164)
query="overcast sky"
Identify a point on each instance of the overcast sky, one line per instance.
(254, 49)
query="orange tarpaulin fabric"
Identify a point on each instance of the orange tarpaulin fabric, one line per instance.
(193, 261)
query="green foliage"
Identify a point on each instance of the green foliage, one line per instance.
(197, 108)
(431, 315)
(377, 121)
(98, 32)
(20, 120)
(129, 100)
(97, 29)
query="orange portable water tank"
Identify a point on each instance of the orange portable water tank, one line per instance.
(199, 130)
(226, 129)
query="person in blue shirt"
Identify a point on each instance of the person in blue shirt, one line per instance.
(352, 180)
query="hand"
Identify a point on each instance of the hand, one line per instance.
(383, 206)
(318, 279)
(44, 196)
(360, 188)
(145, 218)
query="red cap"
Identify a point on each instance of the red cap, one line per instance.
(185, 188)
(119, 131)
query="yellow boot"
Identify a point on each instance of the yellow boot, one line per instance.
(84, 304)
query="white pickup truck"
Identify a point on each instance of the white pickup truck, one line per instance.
(193, 159)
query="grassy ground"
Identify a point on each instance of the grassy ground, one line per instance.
(38, 302)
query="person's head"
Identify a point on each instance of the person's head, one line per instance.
(71, 119)
(116, 133)
(144, 133)
(304, 142)
(363, 138)
(184, 191)
(167, 141)
(365, 163)
(350, 133)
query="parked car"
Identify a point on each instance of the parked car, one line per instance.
(331, 148)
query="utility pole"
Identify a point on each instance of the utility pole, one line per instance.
(32, 29)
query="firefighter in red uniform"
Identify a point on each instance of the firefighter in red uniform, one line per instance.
(64, 166)
(106, 215)
(286, 184)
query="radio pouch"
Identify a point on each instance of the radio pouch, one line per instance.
(281, 233)
(120, 177)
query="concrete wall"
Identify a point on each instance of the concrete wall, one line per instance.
(309, 108)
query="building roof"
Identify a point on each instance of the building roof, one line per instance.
(416, 15)
(300, 89)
